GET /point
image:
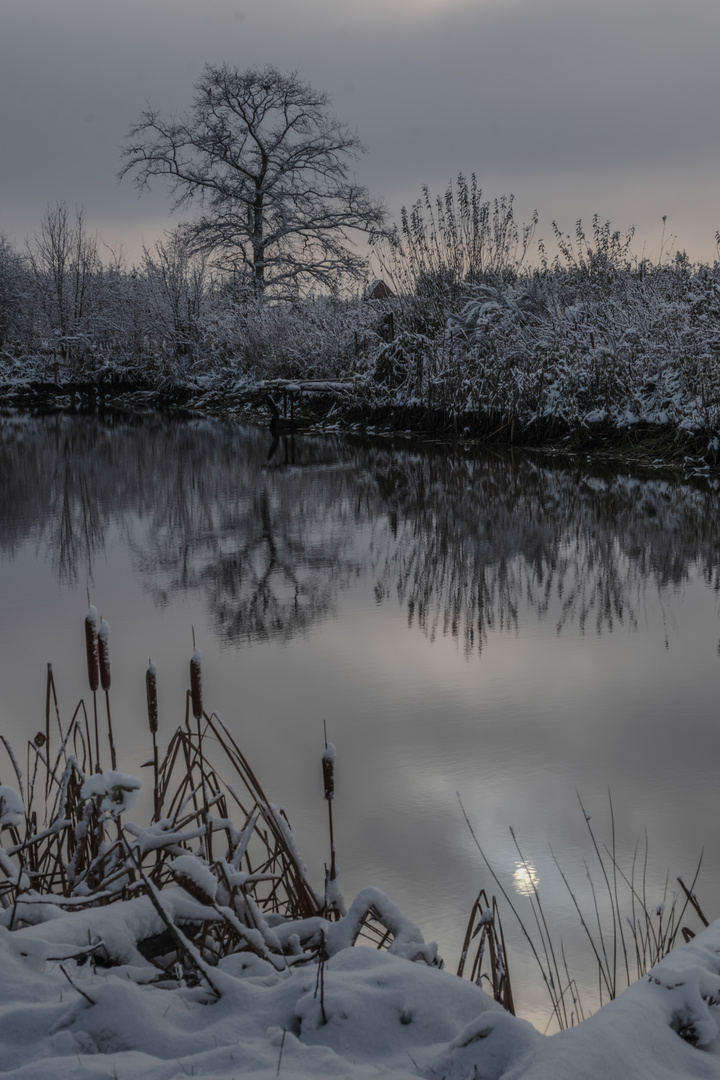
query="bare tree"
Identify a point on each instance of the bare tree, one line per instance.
(65, 269)
(13, 302)
(175, 287)
(269, 168)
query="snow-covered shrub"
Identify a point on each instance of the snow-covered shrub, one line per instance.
(320, 338)
(445, 242)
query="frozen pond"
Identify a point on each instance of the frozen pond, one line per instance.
(507, 629)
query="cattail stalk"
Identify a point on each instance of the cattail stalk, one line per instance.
(49, 690)
(197, 708)
(196, 684)
(93, 663)
(103, 640)
(152, 702)
(328, 768)
(91, 647)
(104, 663)
(152, 708)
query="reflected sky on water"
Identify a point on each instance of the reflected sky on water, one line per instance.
(510, 629)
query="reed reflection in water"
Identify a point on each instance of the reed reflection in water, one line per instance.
(509, 628)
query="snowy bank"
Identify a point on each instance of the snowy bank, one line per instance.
(592, 352)
(371, 1014)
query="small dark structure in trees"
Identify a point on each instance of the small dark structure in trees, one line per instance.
(378, 290)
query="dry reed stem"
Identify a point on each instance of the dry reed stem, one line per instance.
(104, 662)
(152, 709)
(490, 933)
(692, 900)
(103, 645)
(328, 768)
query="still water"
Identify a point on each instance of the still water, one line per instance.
(506, 629)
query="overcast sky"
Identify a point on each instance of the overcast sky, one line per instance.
(576, 106)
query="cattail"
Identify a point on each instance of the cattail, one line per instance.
(196, 684)
(104, 654)
(91, 647)
(152, 708)
(152, 704)
(328, 768)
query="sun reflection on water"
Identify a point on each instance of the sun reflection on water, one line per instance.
(525, 879)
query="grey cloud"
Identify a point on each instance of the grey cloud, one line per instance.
(544, 96)
(551, 86)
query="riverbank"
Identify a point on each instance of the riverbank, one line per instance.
(586, 348)
(353, 408)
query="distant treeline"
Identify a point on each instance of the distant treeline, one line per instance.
(483, 329)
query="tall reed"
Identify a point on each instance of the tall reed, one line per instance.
(75, 843)
(103, 642)
(152, 710)
(93, 665)
(620, 956)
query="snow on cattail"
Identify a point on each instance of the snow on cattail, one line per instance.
(328, 767)
(152, 702)
(196, 684)
(91, 647)
(103, 639)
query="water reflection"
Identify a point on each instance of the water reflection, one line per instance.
(479, 536)
(268, 532)
(525, 879)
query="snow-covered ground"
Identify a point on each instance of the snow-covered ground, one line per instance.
(371, 1014)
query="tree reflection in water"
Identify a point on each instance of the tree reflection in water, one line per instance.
(473, 537)
(465, 541)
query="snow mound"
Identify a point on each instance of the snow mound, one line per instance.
(363, 1013)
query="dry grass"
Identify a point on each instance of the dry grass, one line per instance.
(490, 953)
(77, 852)
(66, 846)
(626, 933)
